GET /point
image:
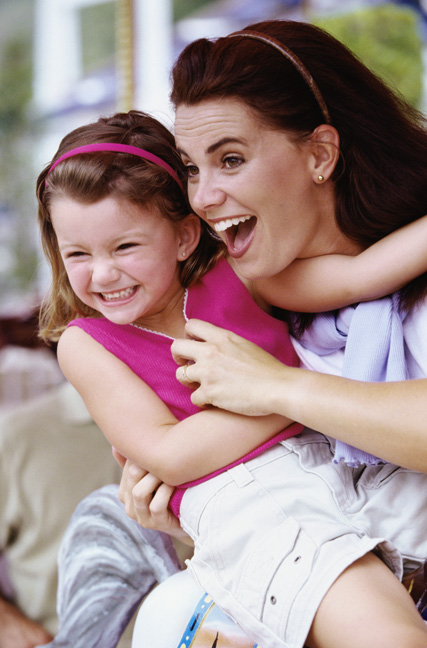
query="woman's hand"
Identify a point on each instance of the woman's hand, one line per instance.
(146, 499)
(233, 374)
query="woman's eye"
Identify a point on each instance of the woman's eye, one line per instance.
(232, 161)
(192, 170)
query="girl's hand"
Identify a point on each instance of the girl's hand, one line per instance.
(121, 460)
(233, 374)
(146, 499)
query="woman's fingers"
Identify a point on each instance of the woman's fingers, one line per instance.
(198, 332)
(225, 370)
(196, 353)
(182, 374)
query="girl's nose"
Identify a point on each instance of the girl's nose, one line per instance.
(104, 272)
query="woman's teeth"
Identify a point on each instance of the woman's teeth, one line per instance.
(119, 294)
(225, 224)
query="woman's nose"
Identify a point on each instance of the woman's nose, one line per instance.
(205, 195)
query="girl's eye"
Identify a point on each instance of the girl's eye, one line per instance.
(232, 161)
(74, 255)
(126, 246)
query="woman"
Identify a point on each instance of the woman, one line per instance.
(294, 149)
(373, 176)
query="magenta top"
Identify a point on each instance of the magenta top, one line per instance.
(220, 298)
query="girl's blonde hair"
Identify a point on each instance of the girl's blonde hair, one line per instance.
(91, 177)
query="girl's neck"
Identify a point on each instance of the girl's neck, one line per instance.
(170, 321)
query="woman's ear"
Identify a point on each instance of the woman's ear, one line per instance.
(325, 152)
(189, 236)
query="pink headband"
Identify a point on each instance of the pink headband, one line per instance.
(296, 62)
(119, 148)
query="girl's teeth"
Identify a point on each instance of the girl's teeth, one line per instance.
(225, 224)
(120, 294)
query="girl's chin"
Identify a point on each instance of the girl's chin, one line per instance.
(117, 316)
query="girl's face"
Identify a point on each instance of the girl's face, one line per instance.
(121, 259)
(253, 185)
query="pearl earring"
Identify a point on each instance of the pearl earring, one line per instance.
(320, 178)
(183, 254)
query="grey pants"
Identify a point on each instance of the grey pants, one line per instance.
(107, 563)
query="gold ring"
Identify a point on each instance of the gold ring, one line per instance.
(184, 373)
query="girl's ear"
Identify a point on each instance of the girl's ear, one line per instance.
(324, 153)
(188, 236)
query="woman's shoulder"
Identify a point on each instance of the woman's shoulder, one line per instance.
(415, 334)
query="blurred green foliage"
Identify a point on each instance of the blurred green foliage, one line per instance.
(98, 35)
(15, 82)
(16, 133)
(182, 8)
(387, 39)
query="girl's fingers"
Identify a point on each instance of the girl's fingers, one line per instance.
(131, 475)
(121, 460)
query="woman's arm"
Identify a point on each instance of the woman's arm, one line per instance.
(142, 428)
(388, 420)
(332, 281)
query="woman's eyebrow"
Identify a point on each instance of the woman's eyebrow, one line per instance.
(216, 145)
(225, 140)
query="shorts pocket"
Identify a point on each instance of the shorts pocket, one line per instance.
(263, 562)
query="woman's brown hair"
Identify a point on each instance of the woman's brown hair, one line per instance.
(381, 179)
(88, 178)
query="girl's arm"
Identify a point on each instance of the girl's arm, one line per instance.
(142, 428)
(388, 420)
(332, 281)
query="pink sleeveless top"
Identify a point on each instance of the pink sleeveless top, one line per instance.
(220, 298)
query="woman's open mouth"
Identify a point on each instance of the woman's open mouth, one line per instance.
(238, 232)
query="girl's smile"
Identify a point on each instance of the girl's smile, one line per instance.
(121, 259)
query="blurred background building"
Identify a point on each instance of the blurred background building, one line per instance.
(65, 62)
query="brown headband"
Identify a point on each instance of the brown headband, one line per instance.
(293, 58)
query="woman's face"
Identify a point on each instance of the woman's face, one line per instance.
(253, 185)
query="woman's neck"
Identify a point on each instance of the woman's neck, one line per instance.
(329, 238)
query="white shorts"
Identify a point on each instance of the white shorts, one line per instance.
(273, 534)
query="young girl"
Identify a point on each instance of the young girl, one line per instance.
(130, 265)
